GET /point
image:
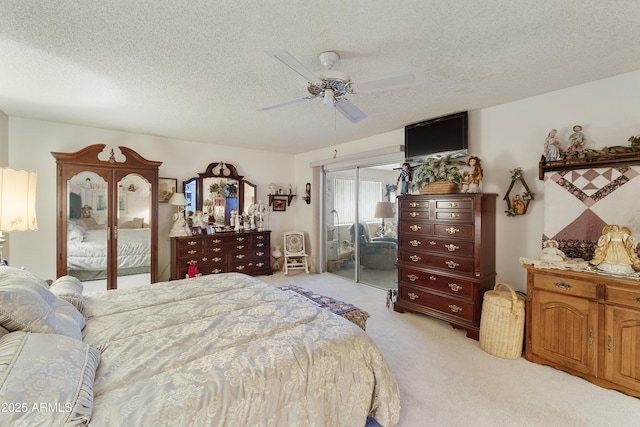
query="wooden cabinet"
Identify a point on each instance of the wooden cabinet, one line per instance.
(587, 324)
(446, 256)
(247, 253)
(107, 214)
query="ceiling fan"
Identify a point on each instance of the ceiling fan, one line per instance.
(334, 86)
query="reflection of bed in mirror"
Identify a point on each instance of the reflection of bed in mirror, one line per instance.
(87, 251)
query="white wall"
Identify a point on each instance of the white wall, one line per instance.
(505, 136)
(512, 135)
(32, 141)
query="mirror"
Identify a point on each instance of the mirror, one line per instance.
(221, 191)
(248, 194)
(190, 190)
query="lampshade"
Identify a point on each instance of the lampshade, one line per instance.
(178, 199)
(384, 210)
(17, 200)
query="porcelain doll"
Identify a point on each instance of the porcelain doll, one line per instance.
(552, 149)
(616, 251)
(472, 175)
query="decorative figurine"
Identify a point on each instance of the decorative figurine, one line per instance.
(198, 220)
(616, 251)
(518, 205)
(404, 178)
(577, 140)
(471, 175)
(179, 227)
(551, 253)
(552, 150)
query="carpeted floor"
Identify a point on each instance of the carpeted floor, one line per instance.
(445, 379)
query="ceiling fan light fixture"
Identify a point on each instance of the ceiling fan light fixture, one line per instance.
(329, 97)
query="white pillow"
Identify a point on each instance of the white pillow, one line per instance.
(69, 289)
(75, 233)
(47, 379)
(26, 304)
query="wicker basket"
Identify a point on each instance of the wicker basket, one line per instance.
(440, 187)
(502, 323)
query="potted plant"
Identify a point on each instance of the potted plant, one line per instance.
(437, 176)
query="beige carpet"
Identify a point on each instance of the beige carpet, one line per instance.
(445, 379)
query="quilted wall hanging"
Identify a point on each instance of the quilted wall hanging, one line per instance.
(579, 203)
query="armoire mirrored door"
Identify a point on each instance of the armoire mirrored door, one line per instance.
(107, 215)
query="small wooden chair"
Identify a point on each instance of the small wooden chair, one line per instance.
(294, 252)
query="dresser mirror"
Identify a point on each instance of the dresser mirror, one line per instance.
(220, 190)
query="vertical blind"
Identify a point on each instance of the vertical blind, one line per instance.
(370, 193)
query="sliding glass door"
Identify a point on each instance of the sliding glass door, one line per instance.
(360, 235)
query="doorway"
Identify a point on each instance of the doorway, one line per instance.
(360, 233)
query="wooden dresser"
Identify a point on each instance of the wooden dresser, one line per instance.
(587, 324)
(247, 253)
(446, 256)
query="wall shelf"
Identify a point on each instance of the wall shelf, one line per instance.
(614, 160)
(287, 197)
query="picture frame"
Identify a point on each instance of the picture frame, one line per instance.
(279, 205)
(196, 231)
(166, 188)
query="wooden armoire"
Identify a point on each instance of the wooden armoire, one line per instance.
(103, 201)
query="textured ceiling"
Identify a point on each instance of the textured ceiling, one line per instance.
(197, 70)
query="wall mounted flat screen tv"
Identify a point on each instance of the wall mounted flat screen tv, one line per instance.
(445, 136)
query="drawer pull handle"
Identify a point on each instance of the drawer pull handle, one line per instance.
(412, 296)
(217, 249)
(204, 258)
(260, 264)
(454, 215)
(415, 258)
(452, 230)
(432, 278)
(240, 246)
(240, 267)
(433, 243)
(415, 227)
(239, 239)
(216, 259)
(216, 271)
(260, 253)
(452, 264)
(454, 287)
(638, 300)
(192, 252)
(217, 240)
(260, 245)
(414, 214)
(590, 337)
(414, 204)
(609, 342)
(562, 286)
(260, 237)
(191, 262)
(413, 277)
(453, 204)
(415, 243)
(191, 243)
(455, 308)
(240, 256)
(451, 247)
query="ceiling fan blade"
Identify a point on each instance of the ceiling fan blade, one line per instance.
(283, 104)
(287, 59)
(397, 81)
(350, 111)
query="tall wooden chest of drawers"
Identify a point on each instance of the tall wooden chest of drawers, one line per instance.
(446, 256)
(247, 253)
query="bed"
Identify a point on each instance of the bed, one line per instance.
(87, 251)
(217, 350)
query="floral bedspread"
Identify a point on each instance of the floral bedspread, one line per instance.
(230, 350)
